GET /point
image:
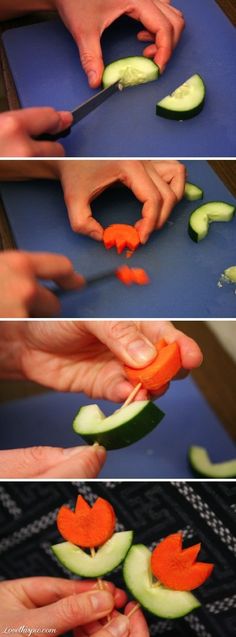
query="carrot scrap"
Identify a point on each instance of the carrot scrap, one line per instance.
(122, 236)
(87, 526)
(132, 275)
(164, 367)
(176, 567)
(129, 254)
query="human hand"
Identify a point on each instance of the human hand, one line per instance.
(52, 462)
(87, 21)
(88, 356)
(20, 291)
(158, 185)
(120, 626)
(19, 128)
(60, 605)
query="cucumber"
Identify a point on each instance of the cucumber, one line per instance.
(230, 274)
(124, 427)
(192, 192)
(185, 102)
(161, 601)
(130, 71)
(202, 465)
(107, 557)
(200, 218)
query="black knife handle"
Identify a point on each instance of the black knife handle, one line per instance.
(53, 137)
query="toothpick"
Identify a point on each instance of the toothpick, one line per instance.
(99, 580)
(133, 610)
(132, 395)
(136, 607)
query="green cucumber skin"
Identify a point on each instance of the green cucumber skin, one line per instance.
(111, 440)
(179, 115)
(170, 616)
(193, 235)
(202, 474)
(102, 573)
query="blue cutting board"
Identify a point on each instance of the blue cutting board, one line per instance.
(46, 420)
(47, 71)
(183, 274)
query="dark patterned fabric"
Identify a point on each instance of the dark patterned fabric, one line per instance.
(205, 512)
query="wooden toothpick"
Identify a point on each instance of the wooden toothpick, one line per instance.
(100, 583)
(133, 610)
(132, 395)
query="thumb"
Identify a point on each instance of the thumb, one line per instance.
(73, 611)
(52, 462)
(91, 57)
(126, 340)
(82, 220)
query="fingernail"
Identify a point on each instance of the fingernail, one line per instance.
(119, 627)
(101, 600)
(66, 117)
(95, 234)
(92, 76)
(141, 351)
(71, 451)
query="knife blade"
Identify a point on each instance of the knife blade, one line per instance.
(61, 292)
(83, 110)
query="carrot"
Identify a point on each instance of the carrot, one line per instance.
(132, 275)
(87, 526)
(122, 236)
(176, 567)
(164, 367)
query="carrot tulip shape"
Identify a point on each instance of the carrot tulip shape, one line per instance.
(122, 236)
(164, 367)
(132, 275)
(87, 526)
(176, 567)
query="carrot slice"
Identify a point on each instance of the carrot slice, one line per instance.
(132, 275)
(122, 236)
(176, 567)
(164, 367)
(87, 526)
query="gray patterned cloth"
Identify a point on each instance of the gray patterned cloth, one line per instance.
(204, 511)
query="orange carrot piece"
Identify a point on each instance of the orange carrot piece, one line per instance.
(128, 276)
(164, 367)
(176, 567)
(122, 236)
(87, 526)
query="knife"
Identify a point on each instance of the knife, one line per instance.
(60, 292)
(82, 111)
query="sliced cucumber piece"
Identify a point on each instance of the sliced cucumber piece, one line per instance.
(200, 218)
(107, 557)
(230, 273)
(130, 71)
(159, 600)
(185, 102)
(122, 428)
(202, 465)
(192, 192)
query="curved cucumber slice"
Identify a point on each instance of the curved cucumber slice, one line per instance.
(230, 273)
(108, 556)
(185, 102)
(130, 71)
(200, 218)
(202, 465)
(122, 428)
(192, 192)
(160, 601)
